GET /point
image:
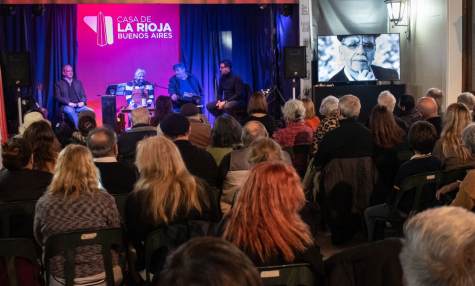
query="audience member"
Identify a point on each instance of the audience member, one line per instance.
(438, 248)
(351, 140)
(449, 149)
(30, 118)
(468, 99)
(265, 149)
(17, 180)
(408, 113)
(330, 119)
(310, 117)
(116, 178)
(427, 106)
(257, 110)
(163, 107)
(198, 161)
(389, 139)
(74, 201)
(281, 236)
(387, 99)
(226, 136)
(166, 193)
(438, 96)
(422, 137)
(200, 130)
(44, 145)
(296, 131)
(234, 168)
(86, 122)
(141, 129)
(466, 189)
(209, 261)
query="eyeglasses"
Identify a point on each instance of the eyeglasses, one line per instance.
(354, 45)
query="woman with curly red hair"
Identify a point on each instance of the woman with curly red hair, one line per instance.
(265, 222)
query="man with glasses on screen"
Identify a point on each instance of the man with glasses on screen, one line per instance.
(357, 53)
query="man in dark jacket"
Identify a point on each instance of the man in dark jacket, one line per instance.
(70, 94)
(183, 87)
(199, 162)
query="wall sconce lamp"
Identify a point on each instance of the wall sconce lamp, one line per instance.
(399, 13)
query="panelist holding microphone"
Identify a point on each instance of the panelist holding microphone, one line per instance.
(230, 91)
(70, 94)
(183, 87)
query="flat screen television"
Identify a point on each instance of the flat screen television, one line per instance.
(358, 57)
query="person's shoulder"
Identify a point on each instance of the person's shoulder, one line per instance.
(384, 73)
(339, 76)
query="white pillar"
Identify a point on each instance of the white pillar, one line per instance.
(305, 34)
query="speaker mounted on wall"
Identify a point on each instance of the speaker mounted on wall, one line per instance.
(16, 68)
(295, 62)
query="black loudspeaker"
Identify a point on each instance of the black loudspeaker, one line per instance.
(16, 68)
(108, 111)
(295, 62)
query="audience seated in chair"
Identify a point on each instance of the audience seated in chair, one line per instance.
(438, 248)
(74, 201)
(465, 197)
(199, 162)
(86, 122)
(276, 235)
(226, 136)
(141, 129)
(165, 194)
(209, 261)
(200, 130)
(45, 146)
(438, 95)
(449, 149)
(330, 119)
(163, 107)
(389, 140)
(422, 137)
(296, 131)
(428, 108)
(116, 177)
(234, 167)
(257, 109)
(387, 99)
(468, 99)
(17, 180)
(407, 110)
(29, 118)
(311, 119)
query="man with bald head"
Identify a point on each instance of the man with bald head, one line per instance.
(438, 96)
(70, 94)
(428, 108)
(116, 178)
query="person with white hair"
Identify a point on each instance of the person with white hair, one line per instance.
(468, 99)
(139, 92)
(296, 131)
(438, 248)
(351, 139)
(330, 119)
(387, 99)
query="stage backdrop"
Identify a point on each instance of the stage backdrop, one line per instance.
(115, 40)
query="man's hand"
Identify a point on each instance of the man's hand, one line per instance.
(72, 104)
(174, 97)
(80, 104)
(220, 104)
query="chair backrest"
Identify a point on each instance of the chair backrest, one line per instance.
(424, 185)
(11, 248)
(287, 275)
(447, 177)
(65, 245)
(300, 155)
(19, 214)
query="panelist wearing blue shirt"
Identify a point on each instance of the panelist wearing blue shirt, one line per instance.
(183, 87)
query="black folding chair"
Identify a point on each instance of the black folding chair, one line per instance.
(451, 176)
(287, 275)
(65, 244)
(18, 214)
(11, 248)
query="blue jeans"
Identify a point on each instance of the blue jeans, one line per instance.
(72, 113)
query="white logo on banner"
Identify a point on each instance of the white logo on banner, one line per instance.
(103, 27)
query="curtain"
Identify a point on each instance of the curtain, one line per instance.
(49, 36)
(3, 117)
(245, 34)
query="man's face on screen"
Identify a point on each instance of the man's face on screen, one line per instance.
(357, 52)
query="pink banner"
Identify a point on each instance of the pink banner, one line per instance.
(115, 40)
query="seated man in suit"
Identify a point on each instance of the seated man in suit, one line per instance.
(70, 94)
(183, 87)
(357, 53)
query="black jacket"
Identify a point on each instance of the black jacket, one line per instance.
(380, 73)
(199, 162)
(127, 142)
(230, 88)
(64, 94)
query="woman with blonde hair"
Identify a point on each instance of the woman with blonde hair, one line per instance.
(265, 222)
(449, 149)
(166, 193)
(265, 149)
(74, 201)
(311, 119)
